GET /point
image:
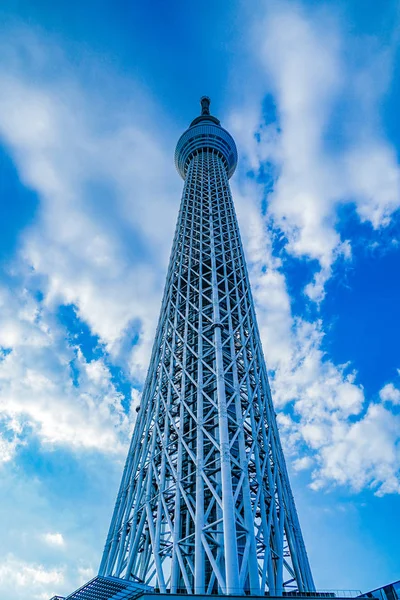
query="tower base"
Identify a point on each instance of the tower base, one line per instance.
(113, 588)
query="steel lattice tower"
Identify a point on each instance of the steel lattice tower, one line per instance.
(205, 504)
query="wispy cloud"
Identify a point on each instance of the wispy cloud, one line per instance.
(54, 539)
(326, 143)
(39, 580)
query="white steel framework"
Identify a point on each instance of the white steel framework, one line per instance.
(205, 504)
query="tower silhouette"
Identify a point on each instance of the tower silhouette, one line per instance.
(205, 504)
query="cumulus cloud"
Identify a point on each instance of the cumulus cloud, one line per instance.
(94, 245)
(389, 393)
(330, 420)
(48, 388)
(363, 454)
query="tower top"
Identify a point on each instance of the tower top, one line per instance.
(205, 132)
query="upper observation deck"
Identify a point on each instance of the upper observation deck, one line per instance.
(205, 133)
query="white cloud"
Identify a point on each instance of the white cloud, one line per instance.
(318, 161)
(54, 539)
(363, 454)
(303, 463)
(331, 420)
(327, 147)
(95, 244)
(389, 393)
(47, 386)
(19, 574)
(95, 240)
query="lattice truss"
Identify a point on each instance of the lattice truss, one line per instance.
(205, 504)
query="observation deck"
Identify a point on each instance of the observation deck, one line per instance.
(205, 133)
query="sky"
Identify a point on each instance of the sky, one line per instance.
(93, 98)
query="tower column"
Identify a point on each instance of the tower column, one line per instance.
(228, 508)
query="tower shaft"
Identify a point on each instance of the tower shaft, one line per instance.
(205, 504)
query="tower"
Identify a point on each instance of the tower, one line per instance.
(205, 504)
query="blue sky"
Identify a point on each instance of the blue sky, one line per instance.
(93, 98)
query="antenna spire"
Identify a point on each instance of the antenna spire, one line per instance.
(205, 105)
